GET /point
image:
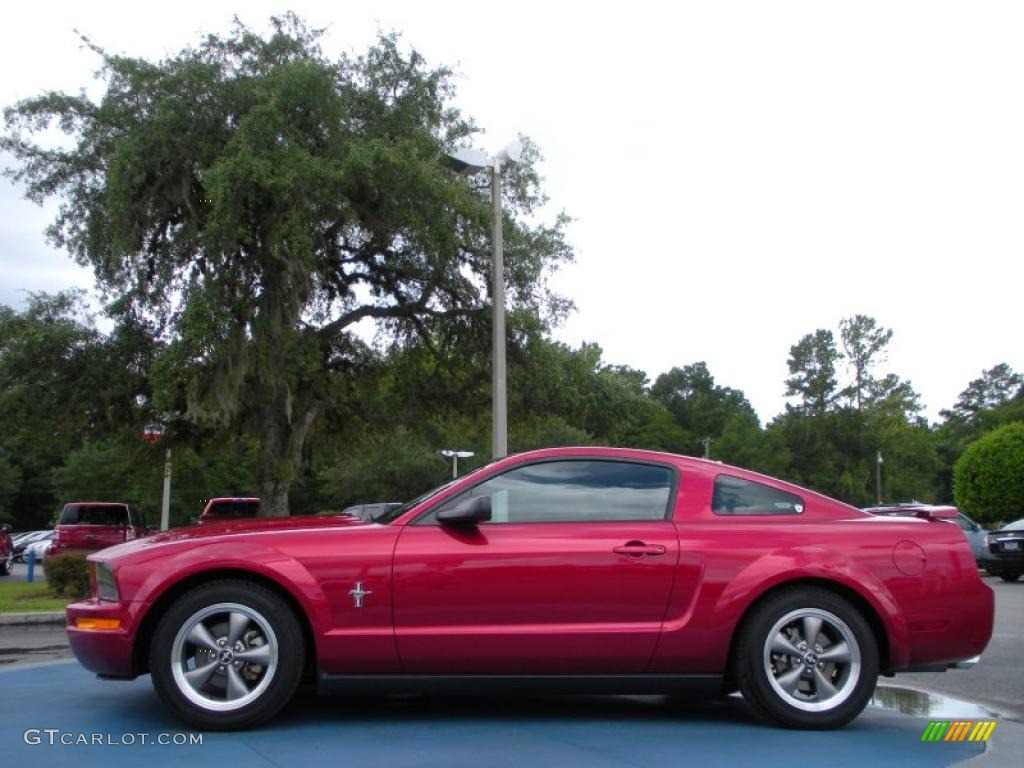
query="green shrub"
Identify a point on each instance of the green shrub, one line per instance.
(988, 479)
(68, 574)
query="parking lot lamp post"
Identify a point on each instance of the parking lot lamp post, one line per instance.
(455, 456)
(469, 162)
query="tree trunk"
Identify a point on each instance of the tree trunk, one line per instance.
(281, 445)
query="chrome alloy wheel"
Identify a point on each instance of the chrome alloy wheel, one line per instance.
(812, 659)
(224, 657)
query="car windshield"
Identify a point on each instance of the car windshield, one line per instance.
(93, 514)
(393, 514)
(1016, 525)
(397, 512)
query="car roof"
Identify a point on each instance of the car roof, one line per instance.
(680, 462)
(96, 504)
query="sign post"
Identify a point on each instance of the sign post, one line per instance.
(151, 434)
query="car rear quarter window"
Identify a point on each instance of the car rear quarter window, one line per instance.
(91, 514)
(736, 496)
(575, 491)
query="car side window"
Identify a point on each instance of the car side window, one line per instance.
(736, 496)
(570, 491)
(964, 523)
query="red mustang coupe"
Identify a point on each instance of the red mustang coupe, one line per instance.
(593, 570)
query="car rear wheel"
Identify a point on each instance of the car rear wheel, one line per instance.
(806, 658)
(7, 564)
(227, 655)
(1009, 576)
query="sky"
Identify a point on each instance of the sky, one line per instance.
(739, 173)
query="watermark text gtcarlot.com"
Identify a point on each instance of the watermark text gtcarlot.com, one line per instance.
(57, 737)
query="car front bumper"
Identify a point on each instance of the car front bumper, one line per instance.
(107, 652)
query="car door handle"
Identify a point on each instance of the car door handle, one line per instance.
(639, 549)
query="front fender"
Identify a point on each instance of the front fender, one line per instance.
(146, 584)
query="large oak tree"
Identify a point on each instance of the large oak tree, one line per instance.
(255, 200)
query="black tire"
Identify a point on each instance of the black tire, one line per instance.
(1009, 576)
(763, 674)
(7, 564)
(212, 705)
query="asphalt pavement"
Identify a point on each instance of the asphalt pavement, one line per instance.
(20, 572)
(63, 716)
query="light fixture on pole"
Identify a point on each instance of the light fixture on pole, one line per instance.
(455, 456)
(469, 162)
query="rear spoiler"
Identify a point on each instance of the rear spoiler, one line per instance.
(937, 513)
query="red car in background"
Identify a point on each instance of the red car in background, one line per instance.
(583, 570)
(95, 525)
(6, 550)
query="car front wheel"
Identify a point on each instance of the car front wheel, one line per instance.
(7, 564)
(806, 658)
(227, 655)
(1009, 576)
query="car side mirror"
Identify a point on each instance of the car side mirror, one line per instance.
(475, 509)
(5, 528)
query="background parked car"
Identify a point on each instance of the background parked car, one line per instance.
(973, 532)
(22, 540)
(6, 550)
(1004, 551)
(40, 546)
(229, 508)
(96, 525)
(371, 512)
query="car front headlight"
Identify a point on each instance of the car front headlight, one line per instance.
(106, 587)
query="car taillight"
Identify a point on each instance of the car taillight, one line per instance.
(56, 538)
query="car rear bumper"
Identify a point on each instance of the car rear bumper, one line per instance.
(107, 652)
(1004, 562)
(966, 663)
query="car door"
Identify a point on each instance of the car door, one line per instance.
(571, 574)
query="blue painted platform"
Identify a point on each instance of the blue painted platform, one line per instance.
(527, 732)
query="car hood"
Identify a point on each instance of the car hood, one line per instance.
(228, 529)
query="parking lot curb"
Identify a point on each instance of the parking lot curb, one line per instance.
(31, 619)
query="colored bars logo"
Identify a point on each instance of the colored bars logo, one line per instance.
(958, 730)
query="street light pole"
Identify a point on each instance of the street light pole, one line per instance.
(468, 162)
(499, 432)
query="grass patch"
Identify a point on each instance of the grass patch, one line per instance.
(22, 597)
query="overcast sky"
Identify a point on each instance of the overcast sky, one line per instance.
(740, 173)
